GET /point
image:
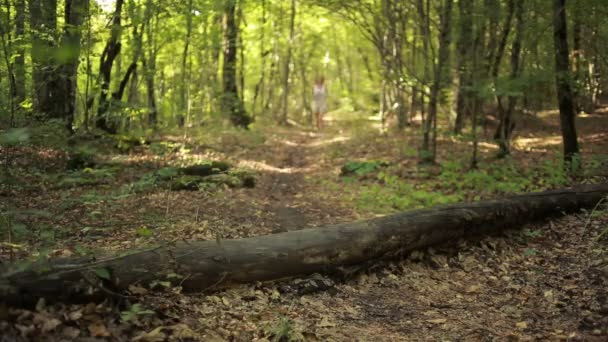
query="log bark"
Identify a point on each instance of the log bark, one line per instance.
(206, 265)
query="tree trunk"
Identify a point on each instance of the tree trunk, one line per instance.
(232, 104)
(206, 265)
(507, 122)
(185, 76)
(286, 65)
(494, 71)
(19, 63)
(465, 42)
(109, 54)
(75, 11)
(150, 62)
(259, 87)
(562, 81)
(43, 25)
(428, 152)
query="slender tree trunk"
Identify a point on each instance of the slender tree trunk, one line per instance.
(43, 25)
(286, 66)
(106, 62)
(185, 77)
(150, 62)
(242, 60)
(259, 87)
(576, 58)
(428, 153)
(65, 101)
(562, 81)
(465, 41)
(232, 104)
(424, 27)
(507, 122)
(19, 61)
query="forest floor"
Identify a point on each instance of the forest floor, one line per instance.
(544, 281)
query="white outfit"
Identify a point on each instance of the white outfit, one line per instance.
(319, 93)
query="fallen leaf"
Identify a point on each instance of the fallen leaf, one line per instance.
(437, 321)
(138, 290)
(70, 332)
(155, 335)
(182, 331)
(50, 325)
(98, 329)
(75, 315)
(473, 289)
(325, 323)
(522, 325)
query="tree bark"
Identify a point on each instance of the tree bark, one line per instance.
(20, 51)
(232, 104)
(204, 265)
(506, 125)
(185, 71)
(465, 48)
(562, 81)
(150, 62)
(65, 101)
(429, 143)
(109, 54)
(43, 25)
(286, 65)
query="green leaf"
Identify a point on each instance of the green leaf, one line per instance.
(143, 231)
(102, 273)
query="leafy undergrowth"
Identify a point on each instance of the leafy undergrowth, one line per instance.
(545, 282)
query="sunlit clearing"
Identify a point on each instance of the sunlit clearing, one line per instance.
(106, 5)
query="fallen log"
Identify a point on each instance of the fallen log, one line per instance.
(199, 266)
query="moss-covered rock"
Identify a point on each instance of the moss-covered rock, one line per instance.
(233, 178)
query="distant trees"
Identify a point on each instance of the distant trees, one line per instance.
(444, 65)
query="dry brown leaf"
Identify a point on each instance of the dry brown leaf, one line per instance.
(70, 332)
(154, 335)
(437, 320)
(522, 325)
(182, 331)
(98, 329)
(138, 290)
(50, 325)
(473, 289)
(75, 315)
(325, 323)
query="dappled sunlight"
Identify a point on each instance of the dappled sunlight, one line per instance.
(546, 113)
(537, 142)
(262, 166)
(596, 138)
(336, 139)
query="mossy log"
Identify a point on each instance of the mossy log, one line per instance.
(233, 179)
(202, 170)
(204, 265)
